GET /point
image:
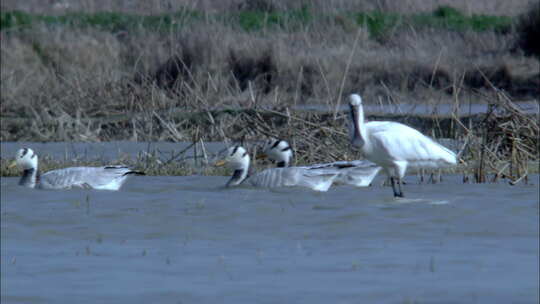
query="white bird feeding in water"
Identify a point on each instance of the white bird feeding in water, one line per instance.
(238, 160)
(358, 173)
(395, 146)
(100, 178)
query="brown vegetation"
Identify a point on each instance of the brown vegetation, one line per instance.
(210, 80)
(51, 73)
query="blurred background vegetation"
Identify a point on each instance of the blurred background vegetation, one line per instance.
(100, 70)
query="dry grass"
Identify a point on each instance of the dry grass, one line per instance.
(505, 144)
(209, 66)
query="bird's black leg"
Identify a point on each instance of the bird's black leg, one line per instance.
(399, 187)
(393, 182)
(397, 192)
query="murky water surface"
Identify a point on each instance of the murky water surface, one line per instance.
(189, 240)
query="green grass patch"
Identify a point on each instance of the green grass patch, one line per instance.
(452, 19)
(258, 20)
(444, 17)
(108, 21)
(14, 19)
(378, 23)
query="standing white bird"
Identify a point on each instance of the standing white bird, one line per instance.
(395, 146)
(238, 160)
(358, 173)
(100, 178)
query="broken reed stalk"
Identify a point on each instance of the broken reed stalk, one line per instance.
(480, 174)
(506, 142)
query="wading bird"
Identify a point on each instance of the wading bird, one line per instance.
(395, 146)
(101, 178)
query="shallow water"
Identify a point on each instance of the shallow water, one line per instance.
(189, 240)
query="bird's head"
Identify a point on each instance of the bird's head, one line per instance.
(278, 150)
(355, 100)
(26, 159)
(236, 158)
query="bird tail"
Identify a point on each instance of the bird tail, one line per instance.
(125, 167)
(134, 172)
